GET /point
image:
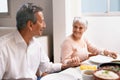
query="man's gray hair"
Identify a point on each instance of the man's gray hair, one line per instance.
(26, 13)
(81, 20)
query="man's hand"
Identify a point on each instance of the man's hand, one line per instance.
(44, 74)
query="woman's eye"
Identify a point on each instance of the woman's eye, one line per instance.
(75, 27)
(80, 28)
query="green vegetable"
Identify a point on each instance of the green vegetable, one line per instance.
(105, 72)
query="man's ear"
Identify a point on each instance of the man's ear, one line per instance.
(30, 25)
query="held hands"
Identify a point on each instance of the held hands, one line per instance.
(110, 53)
(74, 61)
(76, 58)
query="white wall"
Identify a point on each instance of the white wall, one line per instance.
(62, 19)
(72, 10)
(104, 32)
(59, 23)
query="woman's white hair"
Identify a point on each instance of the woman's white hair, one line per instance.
(81, 20)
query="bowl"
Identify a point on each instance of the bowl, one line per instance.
(107, 71)
(103, 74)
(113, 66)
(87, 74)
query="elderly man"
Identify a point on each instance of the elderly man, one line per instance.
(21, 55)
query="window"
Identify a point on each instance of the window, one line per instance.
(114, 5)
(99, 7)
(4, 8)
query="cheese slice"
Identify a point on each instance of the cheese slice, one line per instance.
(88, 67)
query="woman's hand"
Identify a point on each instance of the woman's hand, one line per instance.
(110, 53)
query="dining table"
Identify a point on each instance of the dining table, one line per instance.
(76, 73)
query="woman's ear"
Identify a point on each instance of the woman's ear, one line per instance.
(30, 25)
(85, 29)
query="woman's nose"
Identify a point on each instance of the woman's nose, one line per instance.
(77, 29)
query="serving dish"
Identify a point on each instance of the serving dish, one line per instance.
(107, 71)
(103, 74)
(110, 66)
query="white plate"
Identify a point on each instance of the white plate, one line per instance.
(58, 76)
(100, 59)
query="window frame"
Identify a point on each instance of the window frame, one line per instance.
(107, 13)
(6, 14)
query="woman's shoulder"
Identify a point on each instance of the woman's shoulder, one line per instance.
(85, 39)
(68, 39)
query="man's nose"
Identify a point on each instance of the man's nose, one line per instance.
(44, 25)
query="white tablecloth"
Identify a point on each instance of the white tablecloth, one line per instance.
(69, 74)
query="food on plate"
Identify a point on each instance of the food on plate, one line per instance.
(110, 66)
(106, 75)
(107, 71)
(88, 67)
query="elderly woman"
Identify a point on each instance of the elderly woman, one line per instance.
(76, 48)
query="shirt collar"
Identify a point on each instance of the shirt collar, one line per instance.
(19, 38)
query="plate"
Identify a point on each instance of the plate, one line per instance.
(101, 59)
(58, 76)
(102, 75)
